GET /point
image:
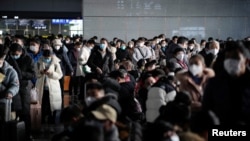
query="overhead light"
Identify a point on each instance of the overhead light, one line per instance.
(16, 17)
(4, 17)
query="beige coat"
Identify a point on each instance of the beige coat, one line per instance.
(52, 80)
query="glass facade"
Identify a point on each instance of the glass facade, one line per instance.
(41, 26)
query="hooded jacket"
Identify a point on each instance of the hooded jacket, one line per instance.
(10, 83)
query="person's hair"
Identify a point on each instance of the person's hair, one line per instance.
(141, 63)
(198, 56)
(60, 36)
(95, 37)
(46, 42)
(230, 39)
(170, 66)
(202, 41)
(70, 112)
(158, 73)
(129, 63)
(15, 47)
(104, 39)
(121, 73)
(131, 42)
(174, 37)
(77, 44)
(150, 63)
(182, 40)
(3, 52)
(20, 37)
(35, 40)
(210, 39)
(145, 76)
(239, 46)
(47, 53)
(95, 85)
(90, 41)
(214, 43)
(161, 36)
(178, 49)
(191, 42)
(163, 41)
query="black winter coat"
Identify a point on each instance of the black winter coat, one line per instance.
(229, 98)
(25, 69)
(105, 63)
(65, 62)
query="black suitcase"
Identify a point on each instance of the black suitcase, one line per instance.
(5, 110)
(15, 131)
(10, 130)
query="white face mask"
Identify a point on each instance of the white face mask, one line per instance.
(180, 57)
(232, 66)
(191, 47)
(90, 100)
(141, 44)
(214, 51)
(175, 137)
(33, 48)
(57, 47)
(78, 49)
(130, 46)
(195, 69)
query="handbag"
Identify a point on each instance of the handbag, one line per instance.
(33, 95)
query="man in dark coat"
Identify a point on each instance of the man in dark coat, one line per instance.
(24, 66)
(227, 94)
(101, 61)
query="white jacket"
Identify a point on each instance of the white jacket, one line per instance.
(52, 81)
(82, 60)
(157, 97)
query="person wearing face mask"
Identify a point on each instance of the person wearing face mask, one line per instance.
(130, 49)
(59, 51)
(164, 47)
(34, 49)
(213, 50)
(141, 51)
(191, 49)
(194, 80)
(25, 68)
(178, 59)
(227, 94)
(48, 73)
(9, 83)
(122, 52)
(78, 74)
(101, 60)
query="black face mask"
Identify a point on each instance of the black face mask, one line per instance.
(46, 53)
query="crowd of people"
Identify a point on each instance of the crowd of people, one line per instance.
(142, 90)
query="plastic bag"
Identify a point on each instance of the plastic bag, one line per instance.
(33, 96)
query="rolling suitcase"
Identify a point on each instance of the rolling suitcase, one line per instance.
(15, 131)
(5, 110)
(10, 130)
(36, 115)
